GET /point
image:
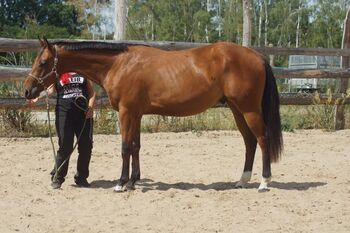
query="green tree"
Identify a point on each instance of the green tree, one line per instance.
(20, 16)
(326, 29)
(184, 20)
(233, 21)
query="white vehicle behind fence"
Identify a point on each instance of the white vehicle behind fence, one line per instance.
(311, 62)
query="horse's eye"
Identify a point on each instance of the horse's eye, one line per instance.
(42, 63)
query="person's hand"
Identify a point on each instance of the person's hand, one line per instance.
(33, 101)
(89, 113)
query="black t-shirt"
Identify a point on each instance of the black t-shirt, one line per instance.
(68, 87)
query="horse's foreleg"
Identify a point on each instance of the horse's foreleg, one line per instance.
(124, 178)
(250, 146)
(129, 128)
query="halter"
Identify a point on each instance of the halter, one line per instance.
(53, 71)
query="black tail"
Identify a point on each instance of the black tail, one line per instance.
(271, 112)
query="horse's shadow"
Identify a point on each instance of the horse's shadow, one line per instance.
(104, 184)
(149, 185)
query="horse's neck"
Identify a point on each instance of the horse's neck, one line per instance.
(93, 66)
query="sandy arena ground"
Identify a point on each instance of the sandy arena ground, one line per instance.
(187, 186)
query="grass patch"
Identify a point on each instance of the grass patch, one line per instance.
(21, 123)
(212, 119)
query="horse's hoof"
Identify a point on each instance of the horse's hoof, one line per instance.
(239, 185)
(130, 187)
(263, 190)
(245, 178)
(119, 188)
(263, 185)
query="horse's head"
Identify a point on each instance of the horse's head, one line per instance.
(43, 72)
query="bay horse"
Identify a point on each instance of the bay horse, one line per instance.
(140, 80)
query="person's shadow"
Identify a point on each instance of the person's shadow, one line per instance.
(149, 185)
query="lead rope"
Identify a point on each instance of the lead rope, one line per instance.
(57, 169)
(50, 133)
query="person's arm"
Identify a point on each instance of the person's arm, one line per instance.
(50, 90)
(92, 98)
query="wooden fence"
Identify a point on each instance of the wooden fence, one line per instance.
(15, 73)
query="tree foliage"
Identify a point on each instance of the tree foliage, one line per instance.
(30, 18)
(185, 20)
(287, 23)
(284, 23)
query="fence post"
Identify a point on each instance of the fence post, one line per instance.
(272, 57)
(339, 118)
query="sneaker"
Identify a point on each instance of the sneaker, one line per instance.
(56, 184)
(82, 183)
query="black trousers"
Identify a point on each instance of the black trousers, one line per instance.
(69, 123)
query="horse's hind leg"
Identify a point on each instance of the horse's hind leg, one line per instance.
(256, 124)
(250, 146)
(136, 146)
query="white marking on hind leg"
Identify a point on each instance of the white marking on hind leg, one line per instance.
(118, 188)
(245, 178)
(263, 185)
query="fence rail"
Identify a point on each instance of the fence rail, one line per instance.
(13, 73)
(18, 74)
(20, 45)
(102, 101)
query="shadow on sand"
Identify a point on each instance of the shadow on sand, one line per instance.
(149, 185)
(104, 184)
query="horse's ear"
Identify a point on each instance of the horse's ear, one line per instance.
(47, 44)
(42, 43)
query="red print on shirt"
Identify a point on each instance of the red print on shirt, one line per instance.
(65, 79)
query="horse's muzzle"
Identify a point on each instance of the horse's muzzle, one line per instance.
(31, 93)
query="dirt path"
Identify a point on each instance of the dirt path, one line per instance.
(187, 186)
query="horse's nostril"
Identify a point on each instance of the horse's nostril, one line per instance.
(26, 94)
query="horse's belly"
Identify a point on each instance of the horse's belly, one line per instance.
(185, 106)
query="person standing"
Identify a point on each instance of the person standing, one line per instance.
(71, 113)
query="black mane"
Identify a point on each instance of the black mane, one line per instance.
(95, 45)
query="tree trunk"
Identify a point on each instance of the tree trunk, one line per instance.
(339, 118)
(247, 23)
(120, 19)
(260, 22)
(206, 26)
(266, 23)
(298, 26)
(219, 16)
